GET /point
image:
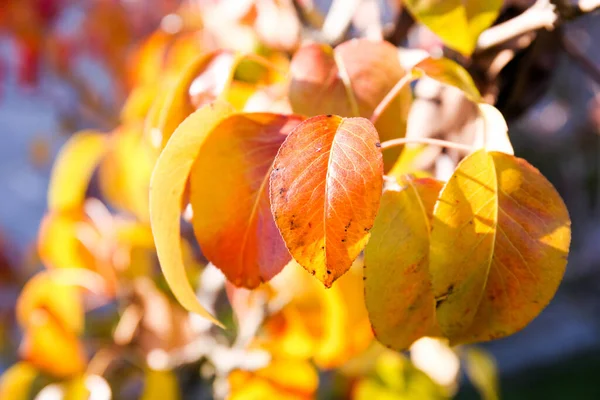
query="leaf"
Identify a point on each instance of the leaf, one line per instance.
(397, 284)
(458, 23)
(124, 173)
(494, 133)
(166, 190)
(351, 81)
(17, 381)
(230, 197)
(51, 348)
(160, 385)
(286, 379)
(73, 169)
(200, 83)
(325, 191)
(499, 244)
(482, 371)
(330, 326)
(449, 72)
(60, 300)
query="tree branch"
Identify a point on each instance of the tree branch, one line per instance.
(544, 14)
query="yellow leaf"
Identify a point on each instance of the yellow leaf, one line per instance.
(73, 169)
(397, 284)
(166, 190)
(458, 23)
(63, 301)
(160, 385)
(16, 381)
(483, 373)
(499, 245)
(285, 379)
(449, 72)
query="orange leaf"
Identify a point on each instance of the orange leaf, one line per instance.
(397, 284)
(351, 81)
(499, 245)
(166, 190)
(73, 169)
(230, 197)
(325, 190)
(51, 348)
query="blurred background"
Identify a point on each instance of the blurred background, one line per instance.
(68, 65)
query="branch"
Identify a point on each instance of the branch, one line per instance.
(584, 62)
(544, 14)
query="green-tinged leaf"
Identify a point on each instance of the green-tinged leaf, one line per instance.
(449, 72)
(458, 23)
(499, 244)
(166, 190)
(397, 283)
(325, 191)
(483, 372)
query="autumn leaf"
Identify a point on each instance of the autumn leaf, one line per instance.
(325, 191)
(448, 72)
(73, 169)
(351, 81)
(202, 81)
(17, 381)
(499, 243)
(166, 190)
(285, 379)
(230, 197)
(397, 284)
(160, 384)
(458, 23)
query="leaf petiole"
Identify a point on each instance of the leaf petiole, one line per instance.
(434, 142)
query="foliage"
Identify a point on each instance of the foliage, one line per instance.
(246, 160)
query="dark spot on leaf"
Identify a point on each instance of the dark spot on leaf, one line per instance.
(343, 240)
(329, 115)
(310, 224)
(313, 272)
(328, 272)
(377, 144)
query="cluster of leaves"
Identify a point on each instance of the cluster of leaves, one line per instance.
(291, 163)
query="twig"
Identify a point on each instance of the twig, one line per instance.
(338, 19)
(434, 142)
(406, 79)
(542, 15)
(585, 63)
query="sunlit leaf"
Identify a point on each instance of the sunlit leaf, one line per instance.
(494, 133)
(449, 72)
(395, 378)
(281, 379)
(329, 326)
(73, 169)
(16, 382)
(166, 190)
(397, 284)
(200, 83)
(59, 245)
(51, 348)
(325, 190)
(62, 301)
(499, 244)
(124, 173)
(230, 197)
(160, 385)
(351, 81)
(458, 23)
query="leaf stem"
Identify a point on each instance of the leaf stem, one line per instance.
(406, 79)
(434, 142)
